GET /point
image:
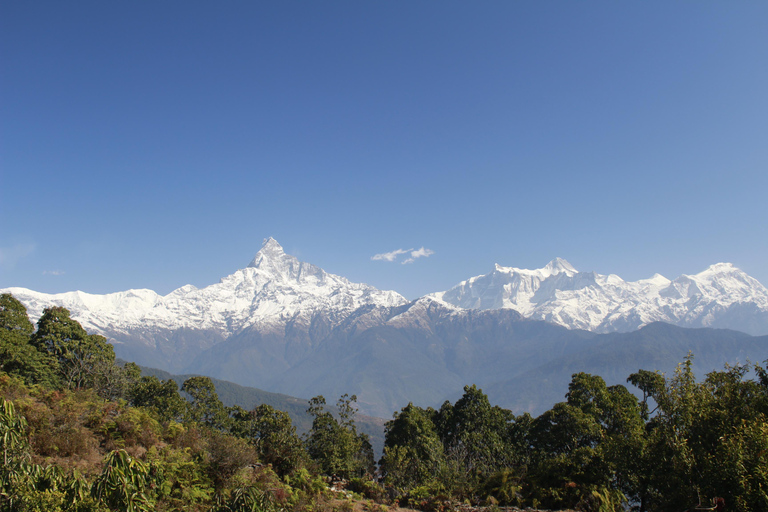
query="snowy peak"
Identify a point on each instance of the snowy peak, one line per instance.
(270, 250)
(277, 288)
(512, 287)
(274, 264)
(272, 258)
(559, 266)
(722, 281)
(721, 268)
(724, 271)
(720, 296)
(554, 267)
(273, 289)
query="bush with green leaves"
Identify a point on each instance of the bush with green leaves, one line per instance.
(336, 445)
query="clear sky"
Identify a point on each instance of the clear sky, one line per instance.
(154, 144)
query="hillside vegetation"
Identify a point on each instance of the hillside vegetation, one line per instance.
(79, 432)
(232, 394)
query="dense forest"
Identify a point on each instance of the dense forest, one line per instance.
(82, 432)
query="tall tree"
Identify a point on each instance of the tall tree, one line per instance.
(205, 406)
(335, 444)
(413, 452)
(82, 357)
(17, 356)
(476, 434)
(162, 397)
(273, 435)
(707, 439)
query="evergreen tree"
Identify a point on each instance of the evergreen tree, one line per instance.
(413, 452)
(205, 406)
(81, 357)
(18, 356)
(162, 397)
(335, 444)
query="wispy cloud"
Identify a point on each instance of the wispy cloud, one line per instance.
(413, 255)
(390, 256)
(53, 272)
(419, 253)
(9, 256)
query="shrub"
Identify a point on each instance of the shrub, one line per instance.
(367, 488)
(228, 454)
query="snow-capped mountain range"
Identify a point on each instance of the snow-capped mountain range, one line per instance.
(273, 287)
(720, 296)
(290, 327)
(276, 287)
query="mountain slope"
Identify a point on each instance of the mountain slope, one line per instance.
(248, 398)
(721, 296)
(425, 352)
(615, 356)
(287, 326)
(274, 292)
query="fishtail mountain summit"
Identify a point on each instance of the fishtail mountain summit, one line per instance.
(290, 327)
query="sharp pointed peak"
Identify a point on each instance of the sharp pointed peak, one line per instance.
(558, 265)
(270, 244)
(270, 250)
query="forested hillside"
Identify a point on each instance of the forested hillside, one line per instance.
(247, 397)
(80, 432)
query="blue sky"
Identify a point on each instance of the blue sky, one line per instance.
(155, 144)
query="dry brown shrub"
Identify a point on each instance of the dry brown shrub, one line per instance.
(132, 427)
(228, 454)
(12, 388)
(136, 451)
(191, 437)
(64, 439)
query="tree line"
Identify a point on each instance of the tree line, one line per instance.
(80, 432)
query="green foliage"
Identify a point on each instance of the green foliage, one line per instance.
(204, 406)
(63, 424)
(475, 434)
(82, 358)
(367, 488)
(413, 452)
(31, 487)
(13, 316)
(227, 454)
(306, 482)
(707, 439)
(586, 447)
(125, 483)
(13, 441)
(504, 487)
(245, 499)
(186, 484)
(113, 381)
(133, 426)
(162, 397)
(335, 444)
(603, 450)
(273, 435)
(17, 356)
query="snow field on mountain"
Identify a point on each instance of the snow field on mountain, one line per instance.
(276, 288)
